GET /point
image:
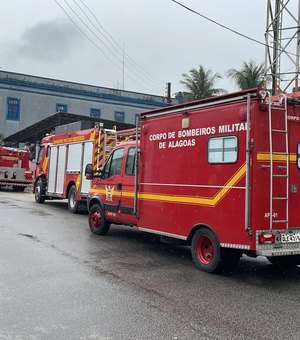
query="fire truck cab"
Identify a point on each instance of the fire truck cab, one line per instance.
(111, 193)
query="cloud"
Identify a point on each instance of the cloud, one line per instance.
(49, 41)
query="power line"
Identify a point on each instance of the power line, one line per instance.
(93, 33)
(115, 45)
(227, 28)
(115, 57)
(84, 34)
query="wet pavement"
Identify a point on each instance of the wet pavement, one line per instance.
(59, 281)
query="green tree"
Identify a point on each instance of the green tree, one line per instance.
(249, 76)
(200, 83)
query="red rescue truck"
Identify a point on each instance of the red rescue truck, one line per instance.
(15, 169)
(61, 162)
(220, 174)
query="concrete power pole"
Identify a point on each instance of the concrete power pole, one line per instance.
(282, 38)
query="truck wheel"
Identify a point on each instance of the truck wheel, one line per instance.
(17, 188)
(73, 203)
(38, 191)
(97, 222)
(208, 256)
(206, 250)
(285, 261)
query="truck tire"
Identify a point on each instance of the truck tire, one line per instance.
(97, 222)
(285, 261)
(38, 191)
(73, 203)
(208, 256)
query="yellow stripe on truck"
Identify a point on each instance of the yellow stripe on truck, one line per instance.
(181, 199)
(265, 156)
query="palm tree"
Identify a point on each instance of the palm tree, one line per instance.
(200, 84)
(249, 76)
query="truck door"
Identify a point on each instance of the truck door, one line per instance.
(127, 198)
(111, 185)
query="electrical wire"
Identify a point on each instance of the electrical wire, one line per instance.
(226, 27)
(84, 34)
(115, 58)
(93, 33)
(114, 44)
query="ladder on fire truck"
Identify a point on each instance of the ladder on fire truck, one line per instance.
(278, 113)
(106, 142)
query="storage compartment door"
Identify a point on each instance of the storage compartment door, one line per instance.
(87, 158)
(74, 158)
(61, 162)
(52, 169)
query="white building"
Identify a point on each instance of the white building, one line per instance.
(26, 99)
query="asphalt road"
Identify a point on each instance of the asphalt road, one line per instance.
(59, 281)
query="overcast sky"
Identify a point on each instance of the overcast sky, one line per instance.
(161, 40)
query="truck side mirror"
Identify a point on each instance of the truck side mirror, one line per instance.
(89, 171)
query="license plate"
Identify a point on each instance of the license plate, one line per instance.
(291, 237)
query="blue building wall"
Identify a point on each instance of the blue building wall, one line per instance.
(26, 99)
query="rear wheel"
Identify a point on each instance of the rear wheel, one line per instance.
(97, 222)
(285, 261)
(39, 191)
(73, 203)
(209, 256)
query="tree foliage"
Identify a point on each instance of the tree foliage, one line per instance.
(200, 83)
(249, 76)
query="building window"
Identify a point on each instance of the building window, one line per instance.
(95, 113)
(13, 108)
(119, 116)
(222, 149)
(61, 108)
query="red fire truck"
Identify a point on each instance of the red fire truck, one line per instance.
(61, 161)
(15, 168)
(220, 174)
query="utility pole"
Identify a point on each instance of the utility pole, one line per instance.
(123, 71)
(168, 93)
(282, 38)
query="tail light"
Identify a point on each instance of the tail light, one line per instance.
(266, 238)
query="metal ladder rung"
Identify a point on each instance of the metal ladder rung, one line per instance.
(277, 130)
(278, 108)
(281, 116)
(279, 153)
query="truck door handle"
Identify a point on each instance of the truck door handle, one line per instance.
(119, 186)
